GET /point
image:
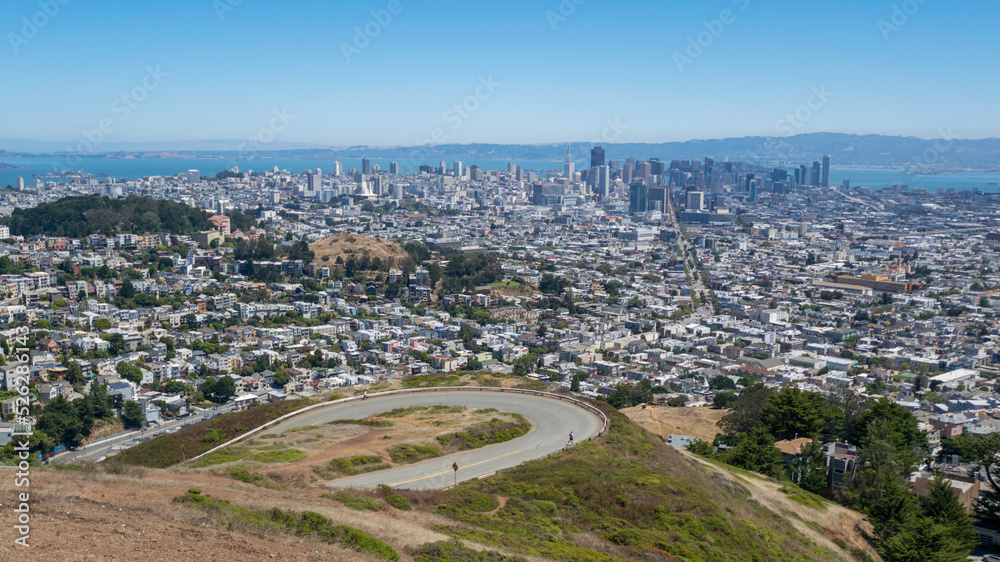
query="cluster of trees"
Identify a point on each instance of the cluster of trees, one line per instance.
(890, 448)
(467, 272)
(553, 284)
(985, 454)
(79, 217)
(353, 265)
(70, 423)
(218, 390)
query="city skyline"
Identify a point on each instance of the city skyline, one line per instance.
(401, 74)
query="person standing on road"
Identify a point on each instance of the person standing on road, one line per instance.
(570, 437)
(366, 396)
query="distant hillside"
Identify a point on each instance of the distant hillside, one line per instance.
(78, 217)
(941, 152)
(347, 245)
(859, 150)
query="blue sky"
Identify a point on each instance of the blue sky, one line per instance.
(557, 74)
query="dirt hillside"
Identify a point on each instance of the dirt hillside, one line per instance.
(347, 244)
(664, 420)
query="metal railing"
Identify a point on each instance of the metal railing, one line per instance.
(584, 405)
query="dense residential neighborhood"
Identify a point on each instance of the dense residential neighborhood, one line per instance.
(682, 284)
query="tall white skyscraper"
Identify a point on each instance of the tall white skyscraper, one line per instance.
(20, 183)
(457, 169)
(695, 200)
(338, 168)
(568, 171)
(394, 168)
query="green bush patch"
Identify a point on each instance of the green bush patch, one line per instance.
(494, 431)
(165, 450)
(454, 550)
(243, 474)
(430, 381)
(808, 499)
(408, 454)
(359, 464)
(367, 422)
(354, 500)
(399, 502)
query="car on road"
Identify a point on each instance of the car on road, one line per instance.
(991, 558)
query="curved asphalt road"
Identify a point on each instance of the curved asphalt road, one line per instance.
(552, 420)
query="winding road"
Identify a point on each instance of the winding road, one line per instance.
(552, 417)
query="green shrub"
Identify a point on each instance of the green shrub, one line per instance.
(243, 474)
(367, 422)
(214, 436)
(399, 502)
(479, 435)
(358, 464)
(281, 456)
(454, 550)
(407, 454)
(354, 500)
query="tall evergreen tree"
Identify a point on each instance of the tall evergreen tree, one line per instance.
(756, 452)
(942, 505)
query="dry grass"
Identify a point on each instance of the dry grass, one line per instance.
(346, 244)
(664, 420)
(836, 521)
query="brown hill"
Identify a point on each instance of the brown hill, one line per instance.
(347, 244)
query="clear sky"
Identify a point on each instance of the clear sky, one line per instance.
(557, 70)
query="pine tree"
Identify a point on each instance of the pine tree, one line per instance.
(756, 452)
(942, 505)
(133, 416)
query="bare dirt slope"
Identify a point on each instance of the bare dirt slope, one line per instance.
(347, 244)
(664, 420)
(99, 517)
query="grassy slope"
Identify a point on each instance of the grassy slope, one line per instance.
(165, 450)
(624, 495)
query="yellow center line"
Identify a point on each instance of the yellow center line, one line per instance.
(467, 466)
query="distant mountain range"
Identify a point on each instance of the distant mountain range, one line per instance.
(846, 150)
